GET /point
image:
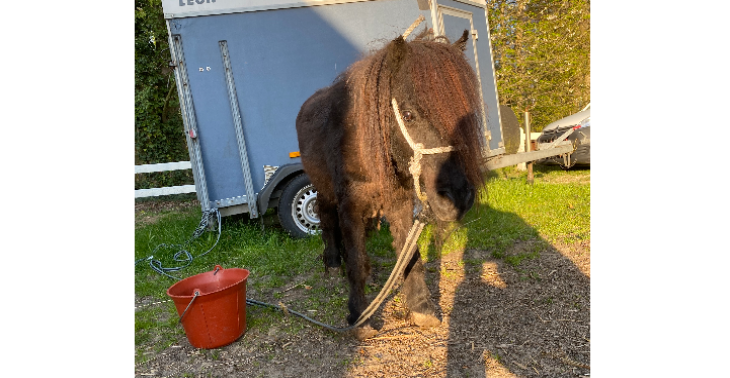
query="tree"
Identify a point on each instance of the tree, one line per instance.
(541, 51)
(159, 131)
(158, 124)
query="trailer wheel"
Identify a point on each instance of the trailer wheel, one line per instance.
(297, 207)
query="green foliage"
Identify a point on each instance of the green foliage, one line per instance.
(541, 51)
(159, 131)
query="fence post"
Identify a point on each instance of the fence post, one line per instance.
(528, 146)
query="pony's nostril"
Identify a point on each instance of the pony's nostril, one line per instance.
(446, 194)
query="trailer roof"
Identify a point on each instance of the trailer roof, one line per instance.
(190, 8)
(193, 8)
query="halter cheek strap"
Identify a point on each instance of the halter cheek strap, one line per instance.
(418, 152)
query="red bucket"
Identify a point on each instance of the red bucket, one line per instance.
(217, 315)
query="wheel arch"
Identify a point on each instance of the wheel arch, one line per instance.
(278, 180)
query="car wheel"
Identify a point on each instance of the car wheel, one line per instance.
(297, 207)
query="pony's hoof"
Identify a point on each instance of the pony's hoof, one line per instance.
(425, 320)
(333, 264)
(364, 332)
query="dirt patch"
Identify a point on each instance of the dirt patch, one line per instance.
(574, 176)
(566, 179)
(149, 212)
(499, 320)
(578, 253)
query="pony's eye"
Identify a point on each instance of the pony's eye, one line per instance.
(408, 116)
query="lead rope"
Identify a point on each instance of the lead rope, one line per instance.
(406, 254)
(410, 244)
(403, 259)
(156, 265)
(408, 247)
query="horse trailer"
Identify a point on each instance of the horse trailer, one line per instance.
(244, 68)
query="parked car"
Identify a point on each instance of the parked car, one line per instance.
(581, 122)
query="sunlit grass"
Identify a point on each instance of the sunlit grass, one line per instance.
(555, 211)
(555, 208)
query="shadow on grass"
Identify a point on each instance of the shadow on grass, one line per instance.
(519, 307)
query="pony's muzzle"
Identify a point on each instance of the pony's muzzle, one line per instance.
(451, 204)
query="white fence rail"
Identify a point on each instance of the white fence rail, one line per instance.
(163, 167)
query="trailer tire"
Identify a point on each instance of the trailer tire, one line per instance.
(297, 207)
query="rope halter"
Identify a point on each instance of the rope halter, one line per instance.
(418, 152)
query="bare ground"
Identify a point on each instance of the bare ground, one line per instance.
(532, 320)
(150, 212)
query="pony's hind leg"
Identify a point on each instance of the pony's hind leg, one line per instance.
(331, 235)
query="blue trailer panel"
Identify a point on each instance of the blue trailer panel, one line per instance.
(455, 17)
(279, 54)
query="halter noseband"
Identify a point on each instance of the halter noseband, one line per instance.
(418, 152)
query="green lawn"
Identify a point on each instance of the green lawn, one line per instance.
(556, 208)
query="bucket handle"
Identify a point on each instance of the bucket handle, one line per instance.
(197, 292)
(217, 268)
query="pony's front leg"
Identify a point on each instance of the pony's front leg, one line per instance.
(417, 296)
(352, 225)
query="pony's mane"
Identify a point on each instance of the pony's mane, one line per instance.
(446, 88)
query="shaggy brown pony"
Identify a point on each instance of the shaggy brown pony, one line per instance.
(356, 156)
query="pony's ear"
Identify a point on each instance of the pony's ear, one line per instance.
(397, 53)
(461, 42)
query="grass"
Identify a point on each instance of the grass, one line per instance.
(272, 258)
(556, 208)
